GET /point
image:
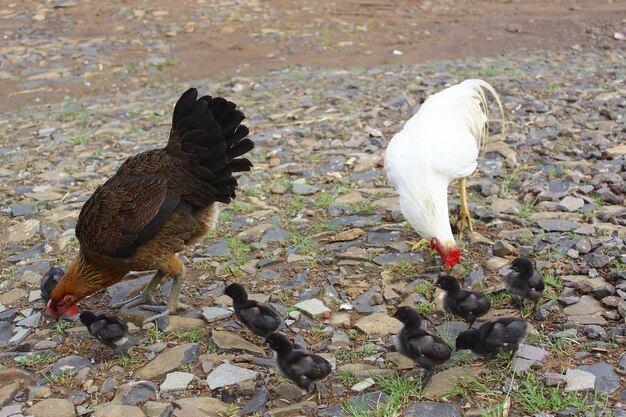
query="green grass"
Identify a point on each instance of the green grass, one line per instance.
(59, 379)
(533, 397)
(506, 185)
(81, 139)
(424, 289)
(355, 355)
(294, 207)
(363, 208)
(324, 200)
(401, 391)
(524, 210)
(500, 299)
(239, 250)
(61, 326)
(192, 335)
(347, 378)
(155, 335)
(43, 359)
(296, 238)
(427, 308)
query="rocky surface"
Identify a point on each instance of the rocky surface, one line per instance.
(318, 231)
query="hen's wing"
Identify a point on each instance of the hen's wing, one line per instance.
(124, 213)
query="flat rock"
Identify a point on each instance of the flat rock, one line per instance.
(431, 409)
(607, 381)
(117, 410)
(231, 342)
(379, 324)
(557, 225)
(135, 392)
(304, 189)
(227, 374)
(313, 307)
(586, 306)
(181, 324)
(571, 204)
(23, 231)
(208, 405)
(71, 363)
(528, 355)
(12, 296)
(157, 409)
(7, 392)
(397, 258)
(168, 361)
(578, 380)
(52, 407)
(257, 404)
(444, 382)
(176, 381)
(212, 314)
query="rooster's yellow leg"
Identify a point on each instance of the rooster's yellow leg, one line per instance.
(420, 245)
(464, 213)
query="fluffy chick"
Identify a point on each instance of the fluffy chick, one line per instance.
(49, 282)
(108, 330)
(466, 304)
(260, 318)
(418, 344)
(523, 281)
(303, 368)
(494, 336)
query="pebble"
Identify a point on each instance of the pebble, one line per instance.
(313, 307)
(227, 374)
(176, 381)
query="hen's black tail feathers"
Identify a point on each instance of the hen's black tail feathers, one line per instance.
(208, 137)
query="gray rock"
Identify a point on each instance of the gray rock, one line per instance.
(586, 305)
(607, 381)
(52, 407)
(71, 363)
(219, 250)
(527, 356)
(579, 380)
(257, 404)
(431, 409)
(135, 392)
(168, 361)
(367, 302)
(30, 321)
(622, 362)
(231, 342)
(503, 248)
(313, 307)
(212, 314)
(379, 324)
(227, 374)
(397, 258)
(558, 225)
(176, 381)
(382, 237)
(18, 210)
(276, 235)
(364, 402)
(571, 204)
(304, 189)
(117, 410)
(157, 409)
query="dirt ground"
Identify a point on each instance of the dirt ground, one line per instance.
(44, 59)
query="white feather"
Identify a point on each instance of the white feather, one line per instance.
(436, 146)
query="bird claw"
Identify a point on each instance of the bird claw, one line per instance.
(163, 311)
(139, 299)
(420, 245)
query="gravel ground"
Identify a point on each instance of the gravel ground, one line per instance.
(316, 220)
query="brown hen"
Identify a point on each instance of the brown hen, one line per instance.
(158, 203)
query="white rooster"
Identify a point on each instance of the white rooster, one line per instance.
(436, 146)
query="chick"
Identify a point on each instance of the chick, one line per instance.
(49, 281)
(261, 319)
(524, 281)
(494, 336)
(418, 344)
(468, 305)
(303, 368)
(108, 330)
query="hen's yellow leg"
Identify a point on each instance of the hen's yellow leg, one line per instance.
(464, 213)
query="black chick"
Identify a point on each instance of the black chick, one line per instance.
(49, 281)
(260, 318)
(494, 336)
(524, 281)
(108, 330)
(418, 344)
(466, 304)
(303, 368)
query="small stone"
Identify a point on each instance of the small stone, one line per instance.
(30, 321)
(227, 374)
(571, 204)
(558, 225)
(231, 342)
(116, 410)
(52, 407)
(212, 314)
(157, 409)
(257, 404)
(304, 189)
(70, 363)
(176, 381)
(431, 409)
(443, 382)
(45, 345)
(586, 305)
(287, 391)
(135, 392)
(7, 393)
(379, 324)
(606, 380)
(168, 361)
(313, 307)
(503, 248)
(363, 385)
(209, 405)
(578, 380)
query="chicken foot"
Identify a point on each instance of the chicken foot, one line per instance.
(173, 304)
(145, 296)
(464, 213)
(423, 243)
